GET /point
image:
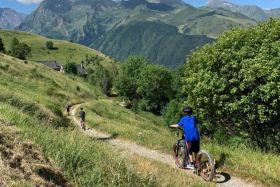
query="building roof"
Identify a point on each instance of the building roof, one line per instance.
(52, 64)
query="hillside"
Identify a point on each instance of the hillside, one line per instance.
(95, 23)
(10, 19)
(63, 51)
(155, 40)
(32, 102)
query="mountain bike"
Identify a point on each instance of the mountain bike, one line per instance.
(205, 166)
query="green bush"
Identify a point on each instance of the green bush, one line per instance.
(101, 77)
(234, 84)
(2, 47)
(173, 111)
(154, 86)
(49, 45)
(20, 50)
(147, 86)
(129, 75)
(70, 68)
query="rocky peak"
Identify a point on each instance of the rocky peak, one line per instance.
(9, 18)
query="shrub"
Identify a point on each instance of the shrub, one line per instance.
(70, 68)
(101, 77)
(20, 50)
(129, 75)
(2, 47)
(154, 86)
(14, 43)
(49, 45)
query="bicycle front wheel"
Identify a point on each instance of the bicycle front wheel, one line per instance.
(179, 154)
(206, 165)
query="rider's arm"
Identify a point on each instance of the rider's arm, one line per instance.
(174, 126)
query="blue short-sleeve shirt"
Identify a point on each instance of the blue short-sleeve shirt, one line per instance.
(189, 126)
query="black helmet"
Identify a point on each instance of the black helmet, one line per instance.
(187, 110)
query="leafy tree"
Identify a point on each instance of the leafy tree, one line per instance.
(101, 77)
(49, 45)
(129, 75)
(14, 44)
(234, 84)
(2, 47)
(70, 68)
(21, 51)
(154, 87)
(148, 86)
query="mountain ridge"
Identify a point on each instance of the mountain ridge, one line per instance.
(252, 11)
(89, 22)
(10, 19)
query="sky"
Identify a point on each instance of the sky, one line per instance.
(27, 6)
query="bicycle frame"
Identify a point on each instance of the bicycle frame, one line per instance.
(182, 143)
(205, 163)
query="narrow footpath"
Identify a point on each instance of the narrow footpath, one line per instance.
(133, 148)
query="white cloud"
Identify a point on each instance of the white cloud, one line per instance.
(30, 1)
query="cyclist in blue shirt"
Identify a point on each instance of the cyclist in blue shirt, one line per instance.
(188, 123)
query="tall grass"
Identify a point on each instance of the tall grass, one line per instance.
(107, 116)
(91, 163)
(246, 162)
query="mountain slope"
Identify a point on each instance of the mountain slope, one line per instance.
(97, 23)
(10, 19)
(252, 11)
(155, 40)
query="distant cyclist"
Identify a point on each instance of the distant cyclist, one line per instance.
(188, 123)
(82, 116)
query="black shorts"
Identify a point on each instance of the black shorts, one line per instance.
(193, 146)
(83, 119)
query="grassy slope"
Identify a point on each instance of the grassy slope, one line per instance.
(32, 98)
(66, 50)
(146, 129)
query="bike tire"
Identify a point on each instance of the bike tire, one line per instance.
(179, 154)
(206, 165)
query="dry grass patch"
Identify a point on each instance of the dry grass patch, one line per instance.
(23, 164)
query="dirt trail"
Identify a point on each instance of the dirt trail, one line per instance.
(225, 181)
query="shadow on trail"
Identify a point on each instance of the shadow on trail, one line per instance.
(222, 177)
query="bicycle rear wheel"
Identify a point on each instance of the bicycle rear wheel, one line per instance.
(206, 165)
(179, 152)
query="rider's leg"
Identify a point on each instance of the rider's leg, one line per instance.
(189, 145)
(191, 157)
(195, 156)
